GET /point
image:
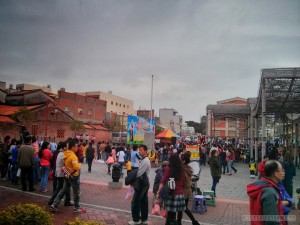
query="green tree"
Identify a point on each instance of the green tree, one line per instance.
(23, 116)
(77, 126)
(199, 127)
(158, 129)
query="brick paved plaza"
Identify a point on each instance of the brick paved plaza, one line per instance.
(109, 206)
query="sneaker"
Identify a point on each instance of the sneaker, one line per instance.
(145, 222)
(44, 191)
(131, 222)
(53, 208)
(80, 210)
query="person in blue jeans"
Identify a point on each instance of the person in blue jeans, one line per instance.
(45, 161)
(14, 163)
(72, 165)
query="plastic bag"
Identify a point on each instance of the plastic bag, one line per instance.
(155, 210)
(164, 213)
(18, 173)
(130, 193)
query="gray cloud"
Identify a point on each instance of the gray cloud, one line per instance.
(199, 51)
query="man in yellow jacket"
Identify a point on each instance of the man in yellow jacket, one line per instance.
(72, 164)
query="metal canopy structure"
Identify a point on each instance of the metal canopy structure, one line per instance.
(280, 92)
(278, 96)
(229, 111)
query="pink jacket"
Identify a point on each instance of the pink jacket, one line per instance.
(110, 160)
(46, 158)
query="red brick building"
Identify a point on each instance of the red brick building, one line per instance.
(224, 123)
(48, 122)
(52, 117)
(86, 109)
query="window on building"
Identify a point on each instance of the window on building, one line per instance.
(67, 109)
(231, 123)
(128, 107)
(90, 112)
(120, 104)
(124, 106)
(217, 121)
(116, 104)
(60, 133)
(217, 133)
(80, 110)
(34, 130)
(111, 102)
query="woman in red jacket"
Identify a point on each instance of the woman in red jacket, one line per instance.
(45, 162)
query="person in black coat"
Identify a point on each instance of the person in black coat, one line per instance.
(290, 172)
(90, 154)
(215, 169)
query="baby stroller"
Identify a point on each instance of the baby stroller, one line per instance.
(195, 164)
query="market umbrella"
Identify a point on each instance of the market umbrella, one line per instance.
(167, 134)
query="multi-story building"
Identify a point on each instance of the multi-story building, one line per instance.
(84, 108)
(228, 119)
(115, 104)
(169, 119)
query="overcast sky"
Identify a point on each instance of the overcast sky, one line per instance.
(199, 52)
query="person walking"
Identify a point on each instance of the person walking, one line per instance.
(265, 195)
(14, 163)
(215, 170)
(159, 173)
(188, 172)
(45, 162)
(175, 204)
(59, 163)
(290, 172)
(72, 164)
(229, 159)
(107, 151)
(139, 202)
(26, 163)
(90, 155)
(135, 157)
(252, 168)
(223, 161)
(121, 159)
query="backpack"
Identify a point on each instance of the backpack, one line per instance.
(171, 183)
(168, 190)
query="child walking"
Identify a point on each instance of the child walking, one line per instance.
(109, 163)
(128, 166)
(252, 168)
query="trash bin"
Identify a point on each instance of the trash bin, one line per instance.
(116, 172)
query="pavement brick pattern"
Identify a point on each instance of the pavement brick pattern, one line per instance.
(110, 207)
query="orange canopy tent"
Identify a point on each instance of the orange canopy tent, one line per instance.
(167, 134)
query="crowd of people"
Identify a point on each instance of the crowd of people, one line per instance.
(31, 162)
